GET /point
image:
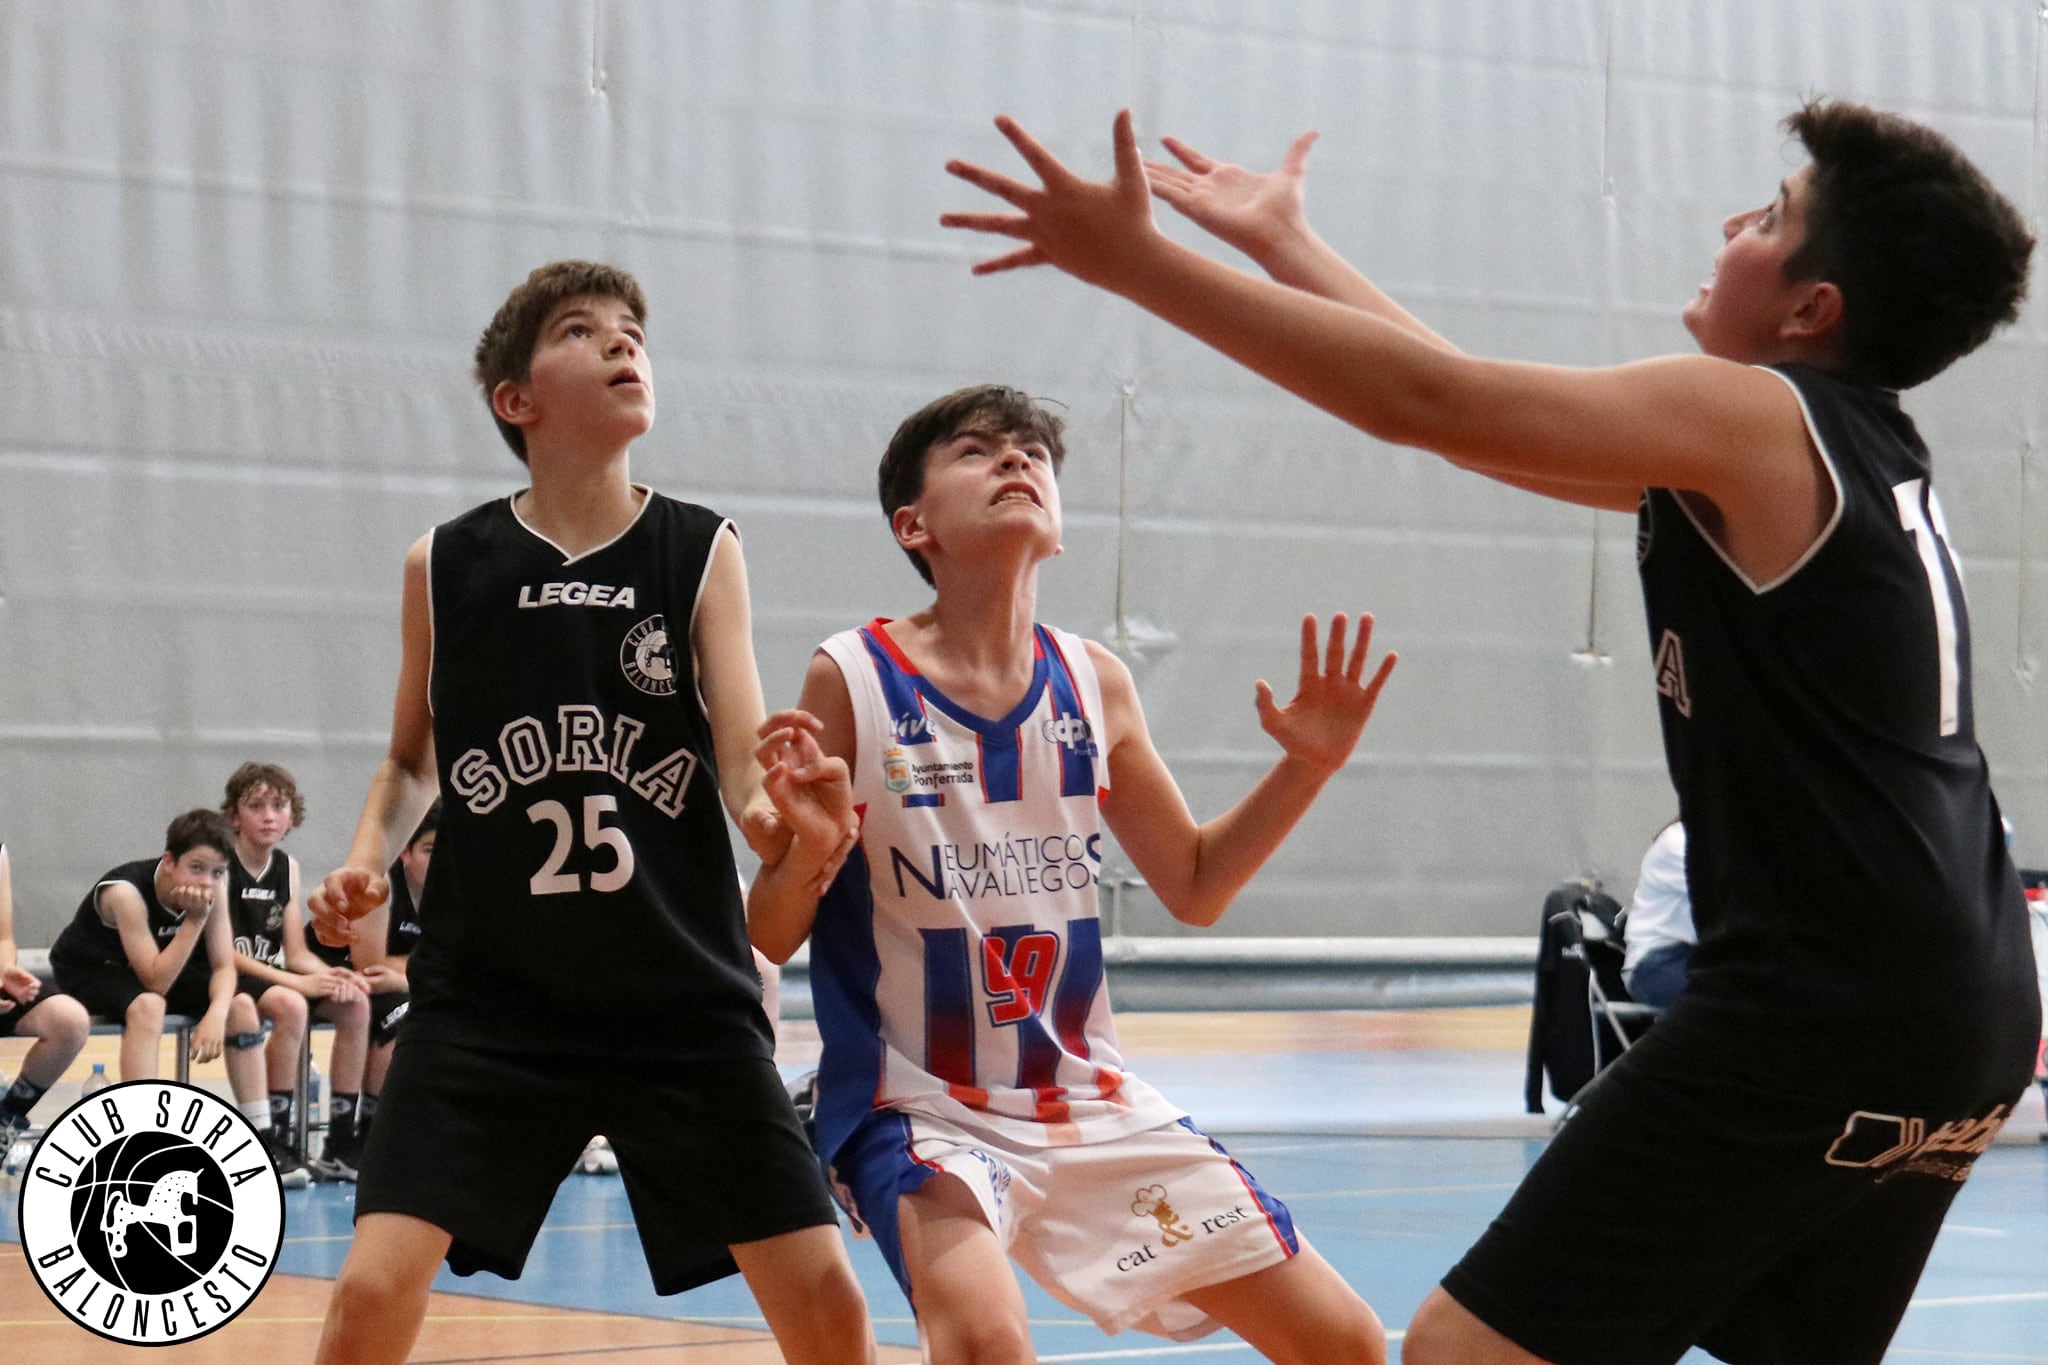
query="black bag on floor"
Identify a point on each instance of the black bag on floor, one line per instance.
(1561, 1034)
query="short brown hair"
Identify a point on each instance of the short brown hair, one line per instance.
(250, 776)
(995, 408)
(1929, 256)
(505, 350)
(199, 829)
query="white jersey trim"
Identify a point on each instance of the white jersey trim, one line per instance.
(646, 500)
(1826, 532)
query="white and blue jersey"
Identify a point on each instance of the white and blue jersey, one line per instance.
(956, 962)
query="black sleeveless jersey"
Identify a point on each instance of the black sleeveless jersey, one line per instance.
(584, 891)
(89, 942)
(256, 907)
(1860, 922)
(402, 925)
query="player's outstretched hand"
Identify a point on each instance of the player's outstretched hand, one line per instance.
(1331, 706)
(813, 795)
(1096, 231)
(344, 896)
(1250, 210)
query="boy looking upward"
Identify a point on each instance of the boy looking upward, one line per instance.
(1765, 1172)
(577, 681)
(971, 1097)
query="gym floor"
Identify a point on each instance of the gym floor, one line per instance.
(1394, 1136)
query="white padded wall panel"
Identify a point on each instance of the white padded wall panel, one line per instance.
(247, 245)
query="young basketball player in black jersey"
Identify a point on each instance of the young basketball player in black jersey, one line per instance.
(288, 982)
(577, 681)
(1765, 1173)
(152, 938)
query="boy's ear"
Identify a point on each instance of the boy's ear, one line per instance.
(513, 405)
(909, 528)
(1818, 316)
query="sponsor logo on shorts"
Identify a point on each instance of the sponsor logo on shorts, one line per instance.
(1890, 1145)
(645, 656)
(1151, 1202)
(151, 1213)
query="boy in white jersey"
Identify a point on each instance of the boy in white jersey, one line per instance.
(957, 960)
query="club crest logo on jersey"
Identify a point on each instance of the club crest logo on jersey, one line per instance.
(151, 1213)
(896, 769)
(1670, 667)
(645, 655)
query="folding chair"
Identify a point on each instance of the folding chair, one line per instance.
(1590, 937)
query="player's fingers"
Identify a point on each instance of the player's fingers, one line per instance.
(1031, 149)
(1297, 152)
(1379, 679)
(1130, 162)
(1003, 224)
(1308, 648)
(1262, 699)
(1355, 669)
(1189, 157)
(1333, 657)
(1001, 186)
(1019, 259)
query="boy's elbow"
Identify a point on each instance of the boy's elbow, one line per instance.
(1196, 910)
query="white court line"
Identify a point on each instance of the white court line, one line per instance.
(1969, 1231)
(1376, 1191)
(1966, 1299)
(1962, 1355)
(1153, 1352)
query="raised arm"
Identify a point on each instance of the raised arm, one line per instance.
(807, 755)
(405, 782)
(1197, 870)
(1730, 433)
(1264, 215)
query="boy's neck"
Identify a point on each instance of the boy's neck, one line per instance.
(975, 639)
(579, 500)
(255, 858)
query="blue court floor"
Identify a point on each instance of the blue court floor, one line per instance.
(1392, 1157)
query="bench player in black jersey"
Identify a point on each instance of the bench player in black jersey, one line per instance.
(291, 984)
(1765, 1173)
(578, 682)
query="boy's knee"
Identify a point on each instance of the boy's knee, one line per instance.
(985, 1338)
(145, 1011)
(242, 1016)
(62, 1021)
(282, 1005)
(353, 1017)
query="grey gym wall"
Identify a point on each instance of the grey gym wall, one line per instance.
(245, 248)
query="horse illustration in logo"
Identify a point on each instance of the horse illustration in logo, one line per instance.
(173, 1203)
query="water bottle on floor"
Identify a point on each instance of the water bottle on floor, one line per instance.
(95, 1082)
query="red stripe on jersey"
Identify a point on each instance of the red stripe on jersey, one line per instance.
(1049, 1107)
(973, 1096)
(876, 629)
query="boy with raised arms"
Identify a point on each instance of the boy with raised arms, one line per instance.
(1764, 1173)
(972, 1103)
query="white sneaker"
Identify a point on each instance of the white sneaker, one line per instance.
(598, 1158)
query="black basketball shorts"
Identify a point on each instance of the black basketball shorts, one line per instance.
(476, 1142)
(1680, 1207)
